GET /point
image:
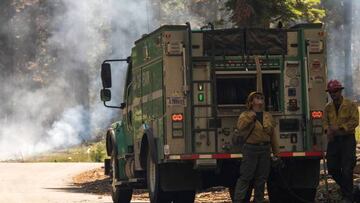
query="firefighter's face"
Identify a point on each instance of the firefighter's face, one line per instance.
(336, 94)
(258, 102)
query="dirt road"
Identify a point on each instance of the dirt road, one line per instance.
(53, 183)
(44, 183)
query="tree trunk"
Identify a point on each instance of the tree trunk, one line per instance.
(348, 57)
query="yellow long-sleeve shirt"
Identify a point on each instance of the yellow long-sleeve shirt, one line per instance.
(261, 133)
(347, 118)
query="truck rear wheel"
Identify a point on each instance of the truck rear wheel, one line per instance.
(157, 195)
(298, 195)
(296, 182)
(184, 197)
(119, 194)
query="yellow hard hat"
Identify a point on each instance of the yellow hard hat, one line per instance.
(251, 97)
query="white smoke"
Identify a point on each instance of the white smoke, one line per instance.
(66, 110)
(179, 12)
(198, 13)
(66, 131)
(356, 49)
(336, 45)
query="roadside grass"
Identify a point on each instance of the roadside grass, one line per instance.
(94, 152)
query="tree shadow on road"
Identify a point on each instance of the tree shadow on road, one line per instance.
(99, 187)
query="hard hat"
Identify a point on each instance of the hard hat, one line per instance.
(334, 85)
(251, 97)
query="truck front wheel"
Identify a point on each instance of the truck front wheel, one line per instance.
(153, 182)
(119, 194)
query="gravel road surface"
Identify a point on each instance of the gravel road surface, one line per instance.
(44, 183)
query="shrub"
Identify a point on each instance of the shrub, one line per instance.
(98, 152)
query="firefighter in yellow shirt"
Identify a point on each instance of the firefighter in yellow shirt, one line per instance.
(257, 127)
(341, 117)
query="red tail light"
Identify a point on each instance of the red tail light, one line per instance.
(177, 117)
(317, 114)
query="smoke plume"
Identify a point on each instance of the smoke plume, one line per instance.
(50, 95)
(50, 57)
(338, 29)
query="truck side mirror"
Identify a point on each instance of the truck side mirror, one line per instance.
(122, 105)
(105, 95)
(106, 75)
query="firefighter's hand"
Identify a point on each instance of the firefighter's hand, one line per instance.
(252, 115)
(336, 130)
(276, 163)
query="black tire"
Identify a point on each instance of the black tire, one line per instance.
(305, 173)
(109, 144)
(119, 194)
(276, 194)
(291, 195)
(153, 182)
(304, 195)
(184, 197)
(114, 162)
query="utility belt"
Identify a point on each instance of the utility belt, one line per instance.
(259, 144)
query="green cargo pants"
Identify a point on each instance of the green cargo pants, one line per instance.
(341, 160)
(255, 166)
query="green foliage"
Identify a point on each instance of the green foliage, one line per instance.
(263, 12)
(308, 10)
(94, 152)
(97, 152)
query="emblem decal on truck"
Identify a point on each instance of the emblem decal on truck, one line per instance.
(175, 101)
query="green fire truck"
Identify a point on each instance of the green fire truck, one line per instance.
(184, 91)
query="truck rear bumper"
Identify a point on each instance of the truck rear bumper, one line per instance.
(237, 156)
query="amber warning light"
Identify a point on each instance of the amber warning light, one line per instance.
(316, 114)
(177, 117)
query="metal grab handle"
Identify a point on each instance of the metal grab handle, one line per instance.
(127, 106)
(185, 68)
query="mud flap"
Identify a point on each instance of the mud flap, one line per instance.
(107, 166)
(148, 144)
